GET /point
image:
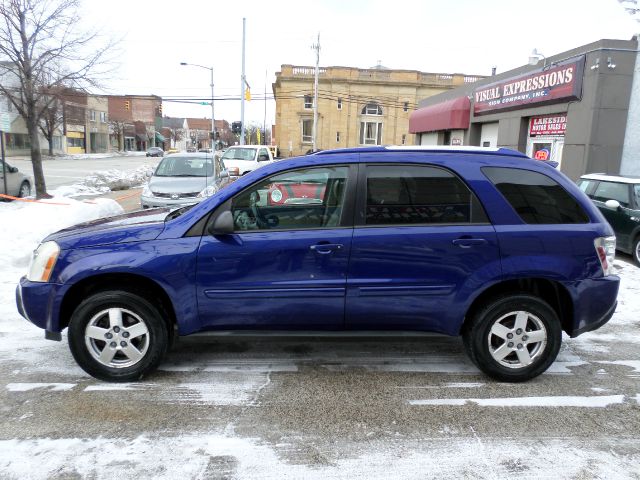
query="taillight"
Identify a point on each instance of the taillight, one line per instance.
(606, 250)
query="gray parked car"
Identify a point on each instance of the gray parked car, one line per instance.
(183, 179)
(18, 184)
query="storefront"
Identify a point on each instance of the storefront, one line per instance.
(570, 108)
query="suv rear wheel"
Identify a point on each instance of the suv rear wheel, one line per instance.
(117, 336)
(513, 338)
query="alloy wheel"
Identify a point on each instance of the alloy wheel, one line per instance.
(117, 338)
(517, 339)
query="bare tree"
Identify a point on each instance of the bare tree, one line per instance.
(177, 134)
(118, 128)
(41, 49)
(52, 116)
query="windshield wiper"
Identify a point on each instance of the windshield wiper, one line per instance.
(176, 213)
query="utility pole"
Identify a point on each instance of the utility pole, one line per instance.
(243, 81)
(314, 134)
(264, 119)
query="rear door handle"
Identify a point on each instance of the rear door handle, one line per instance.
(469, 242)
(325, 248)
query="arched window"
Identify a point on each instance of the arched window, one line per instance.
(372, 109)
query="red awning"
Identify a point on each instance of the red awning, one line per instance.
(449, 115)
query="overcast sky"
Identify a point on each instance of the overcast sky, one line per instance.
(455, 36)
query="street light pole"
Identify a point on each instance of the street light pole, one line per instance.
(213, 117)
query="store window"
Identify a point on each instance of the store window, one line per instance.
(339, 104)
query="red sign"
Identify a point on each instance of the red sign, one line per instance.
(542, 154)
(551, 125)
(560, 83)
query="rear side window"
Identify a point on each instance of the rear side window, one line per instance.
(407, 195)
(538, 199)
(612, 191)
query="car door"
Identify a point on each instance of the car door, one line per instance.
(421, 243)
(285, 264)
(619, 218)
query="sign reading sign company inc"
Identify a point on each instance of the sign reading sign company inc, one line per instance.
(560, 83)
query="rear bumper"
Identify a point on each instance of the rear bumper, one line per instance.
(594, 304)
(38, 303)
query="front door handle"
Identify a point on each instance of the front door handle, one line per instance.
(325, 248)
(469, 242)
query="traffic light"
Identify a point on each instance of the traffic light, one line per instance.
(236, 127)
(247, 94)
(160, 110)
(127, 105)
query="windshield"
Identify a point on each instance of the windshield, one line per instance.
(185, 167)
(239, 154)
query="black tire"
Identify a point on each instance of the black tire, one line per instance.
(134, 309)
(484, 346)
(25, 190)
(635, 253)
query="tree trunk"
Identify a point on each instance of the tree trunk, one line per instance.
(50, 140)
(36, 157)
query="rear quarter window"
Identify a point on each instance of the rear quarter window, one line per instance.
(536, 198)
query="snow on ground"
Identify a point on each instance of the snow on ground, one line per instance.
(102, 182)
(89, 156)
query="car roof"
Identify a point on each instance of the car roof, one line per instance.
(190, 155)
(610, 178)
(427, 148)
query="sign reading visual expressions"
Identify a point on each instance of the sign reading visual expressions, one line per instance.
(548, 125)
(561, 82)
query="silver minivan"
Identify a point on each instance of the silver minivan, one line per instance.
(18, 184)
(183, 179)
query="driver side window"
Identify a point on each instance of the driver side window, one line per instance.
(299, 199)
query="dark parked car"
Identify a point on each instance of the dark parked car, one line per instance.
(483, 243)
(618, 198)
(155, 152)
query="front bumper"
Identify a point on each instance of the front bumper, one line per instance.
(153, 202)
(39, 303)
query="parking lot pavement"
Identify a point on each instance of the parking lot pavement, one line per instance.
(324, 407)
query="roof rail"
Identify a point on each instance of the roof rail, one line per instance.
(427, 148)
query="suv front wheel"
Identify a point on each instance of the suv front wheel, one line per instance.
(513, 338)
(117, 336)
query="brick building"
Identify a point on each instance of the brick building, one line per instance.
(355, 106)
(135, 121)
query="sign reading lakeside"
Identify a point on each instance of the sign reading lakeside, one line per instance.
(560, 83)
(549, 125)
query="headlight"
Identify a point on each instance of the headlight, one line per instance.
(42, 263)
(146, 191)
(207, 192)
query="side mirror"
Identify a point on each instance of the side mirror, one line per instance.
(224, 174)
(13, 169)
(614, 204)
(223, 224)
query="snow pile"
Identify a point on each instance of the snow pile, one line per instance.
(90, 156)
(102, 182)
(24, 225)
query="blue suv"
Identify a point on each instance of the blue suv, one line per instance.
(484, 243)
